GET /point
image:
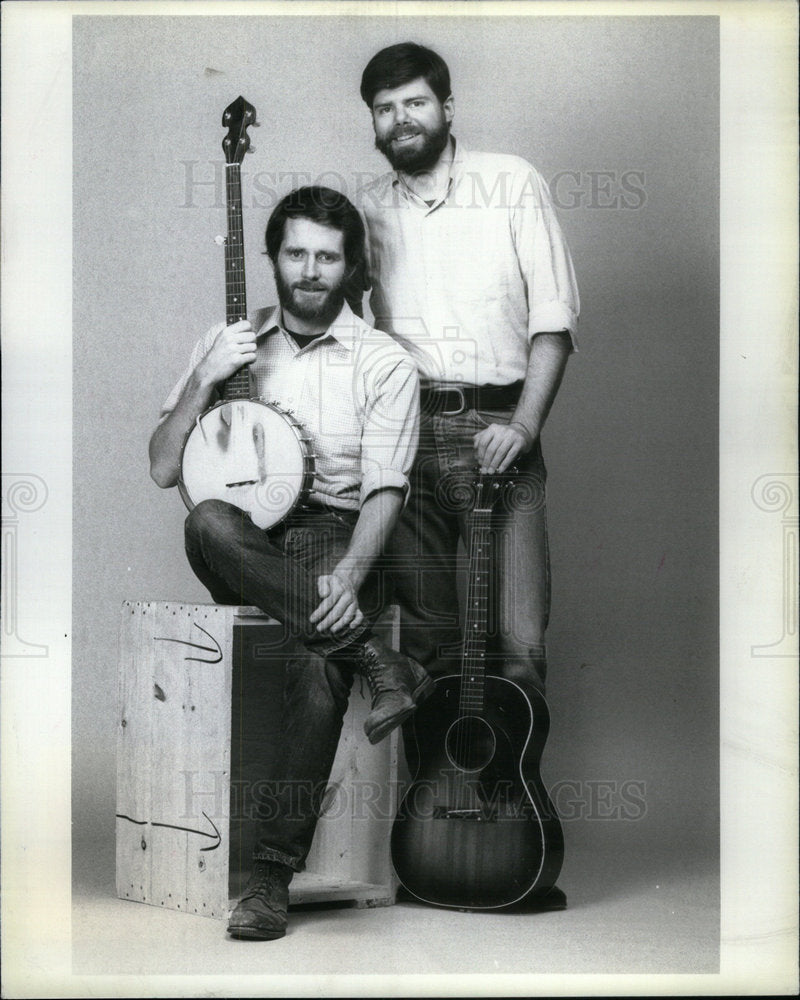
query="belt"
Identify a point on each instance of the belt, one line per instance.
(451, 400)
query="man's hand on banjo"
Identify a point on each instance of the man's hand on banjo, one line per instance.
(234, 347)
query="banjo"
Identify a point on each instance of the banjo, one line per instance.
(247, 451)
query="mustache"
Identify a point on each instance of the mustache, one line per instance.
(310, 286)
(404, 132)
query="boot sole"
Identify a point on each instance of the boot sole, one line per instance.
(422, 691)
(253, 933)
(381, 732)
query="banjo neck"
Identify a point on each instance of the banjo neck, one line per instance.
(244, 451)
(237, 117)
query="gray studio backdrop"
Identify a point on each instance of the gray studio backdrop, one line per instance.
(620, 115)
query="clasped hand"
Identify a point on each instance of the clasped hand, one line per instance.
(498, 445)
(338, 608)
(233, 347)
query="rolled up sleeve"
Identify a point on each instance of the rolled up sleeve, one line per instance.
(201, 348)
(545, 261)
(391, 426)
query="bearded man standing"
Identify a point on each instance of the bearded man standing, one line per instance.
(470, 272)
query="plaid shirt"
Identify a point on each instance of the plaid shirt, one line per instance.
(354, 389)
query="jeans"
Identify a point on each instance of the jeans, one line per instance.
(277, 571)
(424, 548)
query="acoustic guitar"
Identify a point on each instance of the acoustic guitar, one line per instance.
(476, 829)
(249, 452)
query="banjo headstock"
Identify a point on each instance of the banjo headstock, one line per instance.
(236, 118)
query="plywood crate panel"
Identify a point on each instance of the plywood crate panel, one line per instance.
(200, 689)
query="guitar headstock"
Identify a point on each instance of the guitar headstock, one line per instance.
(236, 118)
(490, 486)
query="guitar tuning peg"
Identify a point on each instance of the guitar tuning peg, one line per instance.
(251, 149)
(219, 240)
(255, 124)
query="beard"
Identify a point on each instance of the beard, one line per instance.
(324, 308)
(415, 159)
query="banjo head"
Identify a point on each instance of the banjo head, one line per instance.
(251, 454)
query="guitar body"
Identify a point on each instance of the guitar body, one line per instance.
(476, 829)
(251, 454)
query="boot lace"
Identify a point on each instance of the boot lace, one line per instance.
(266, 883)
(377, 680)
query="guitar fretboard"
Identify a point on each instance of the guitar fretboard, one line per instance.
(238, 385)
(473, 668)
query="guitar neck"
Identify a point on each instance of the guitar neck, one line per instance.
(473, 667)
(238, 385)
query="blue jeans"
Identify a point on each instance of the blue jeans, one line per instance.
(424, 548)
(277, 572)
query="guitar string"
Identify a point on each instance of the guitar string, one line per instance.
(467, 688)
(472, 697)
(462, 742)
(478, 640)
(462, 798)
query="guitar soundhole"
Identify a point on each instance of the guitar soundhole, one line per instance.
(470, 743)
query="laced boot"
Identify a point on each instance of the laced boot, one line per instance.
(397, 685)
(262, 910)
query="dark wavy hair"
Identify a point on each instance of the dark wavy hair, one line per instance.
(326, 207)
(399, 64)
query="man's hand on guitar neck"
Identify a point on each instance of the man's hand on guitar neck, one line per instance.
(233, 347)
(498, 445)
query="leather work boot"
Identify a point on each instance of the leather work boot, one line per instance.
(261, 912)
(397, 685)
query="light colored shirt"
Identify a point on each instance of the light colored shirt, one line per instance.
(465, 283)
(354, 389)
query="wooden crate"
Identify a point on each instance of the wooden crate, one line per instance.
(199, 693)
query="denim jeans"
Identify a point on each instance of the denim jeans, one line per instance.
(277, 571)
(424, 550)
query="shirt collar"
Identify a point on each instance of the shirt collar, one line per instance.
(343, 329)
(454, 175)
